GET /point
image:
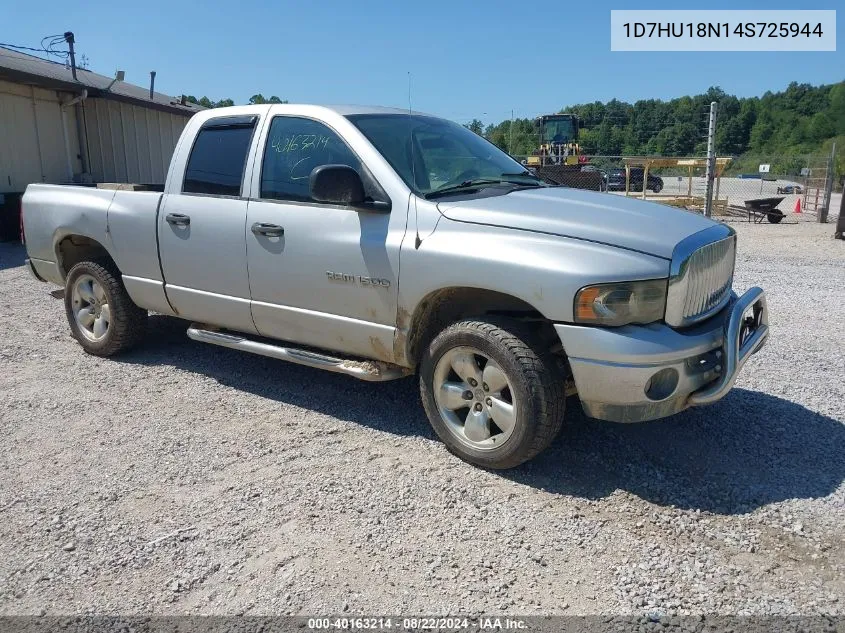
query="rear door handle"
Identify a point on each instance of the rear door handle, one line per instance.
(269, 230)
(178, 219)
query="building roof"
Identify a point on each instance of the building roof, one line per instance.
(22, 68)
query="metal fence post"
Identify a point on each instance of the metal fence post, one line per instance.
(711, 161)
(510, 143)
(828, 187)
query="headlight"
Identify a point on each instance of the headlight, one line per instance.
(621, 303)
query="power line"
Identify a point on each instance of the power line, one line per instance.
(23, 48)
(52, 42)
(48, 46)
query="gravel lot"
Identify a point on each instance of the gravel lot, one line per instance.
(185, 478)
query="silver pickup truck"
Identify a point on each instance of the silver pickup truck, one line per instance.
(379, 243)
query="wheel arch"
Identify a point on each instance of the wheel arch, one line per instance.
(73, 248)
(445, 306)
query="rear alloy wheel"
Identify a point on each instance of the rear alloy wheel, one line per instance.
(90, 308)
(492, 393)
(102, 316)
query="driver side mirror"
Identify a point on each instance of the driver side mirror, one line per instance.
(341, 184)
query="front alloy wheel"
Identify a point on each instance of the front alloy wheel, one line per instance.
(492, 391)
(474, 398)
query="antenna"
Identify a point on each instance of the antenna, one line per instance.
(417, 241)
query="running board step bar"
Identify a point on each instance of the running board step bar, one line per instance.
(371, 370)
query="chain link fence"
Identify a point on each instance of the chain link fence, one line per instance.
(791, 188)
(778, 188)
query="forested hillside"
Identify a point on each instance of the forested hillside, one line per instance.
(800, 120)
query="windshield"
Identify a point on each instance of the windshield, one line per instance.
(445, 154)
(559, 130)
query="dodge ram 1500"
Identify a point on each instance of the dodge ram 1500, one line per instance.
(381, 243)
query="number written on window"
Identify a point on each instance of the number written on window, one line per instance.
(295, 146)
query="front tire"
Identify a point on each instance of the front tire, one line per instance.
(492, 392)
(102, 317)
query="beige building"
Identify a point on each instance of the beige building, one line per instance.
(55, 128)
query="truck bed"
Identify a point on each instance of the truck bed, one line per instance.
(123, 222)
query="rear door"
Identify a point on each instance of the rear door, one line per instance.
(201, 228)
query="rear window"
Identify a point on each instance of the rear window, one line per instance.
(217, 160)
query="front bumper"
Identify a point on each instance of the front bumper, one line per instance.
(638, 373)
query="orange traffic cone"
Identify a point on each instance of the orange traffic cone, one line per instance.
(798, 206)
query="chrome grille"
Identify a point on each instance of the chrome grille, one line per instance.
(701, 281)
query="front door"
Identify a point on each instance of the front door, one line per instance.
(320, 275)
(201, 229)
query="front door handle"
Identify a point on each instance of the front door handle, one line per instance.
(269, 230)
(178, 219)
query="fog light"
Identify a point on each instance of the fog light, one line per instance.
(661, 385)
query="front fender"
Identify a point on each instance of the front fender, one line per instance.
(544, 271)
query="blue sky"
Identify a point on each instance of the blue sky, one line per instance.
(467, 59)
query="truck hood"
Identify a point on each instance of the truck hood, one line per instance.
(629, 223)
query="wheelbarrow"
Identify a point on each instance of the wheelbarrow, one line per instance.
(764, 209)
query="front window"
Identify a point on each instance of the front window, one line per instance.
(295, 146)
(433, 155)
(559, 130)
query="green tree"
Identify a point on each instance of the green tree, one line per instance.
(836, 107)
(800, 119)
(259, 98)
(821, 128)
(476, 126)
(762, 131)
(205, 102)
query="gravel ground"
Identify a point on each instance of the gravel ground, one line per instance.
(186, 478)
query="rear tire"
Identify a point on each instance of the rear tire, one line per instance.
(102, 317)
(657, 188)
(508, 421)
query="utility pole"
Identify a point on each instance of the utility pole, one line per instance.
(70, 42)
(711, 161)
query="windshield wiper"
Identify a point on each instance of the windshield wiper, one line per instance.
(523, 174)
(506, 179)
(466, 184)
(534, 181)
